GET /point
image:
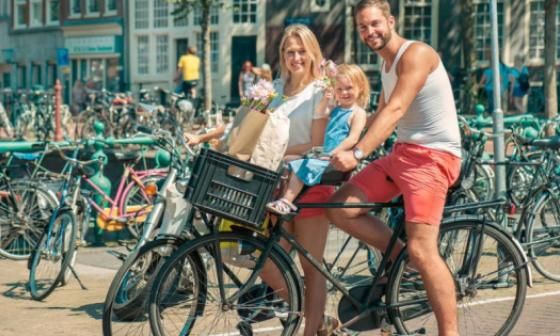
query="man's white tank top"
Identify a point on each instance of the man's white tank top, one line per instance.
(431, 119)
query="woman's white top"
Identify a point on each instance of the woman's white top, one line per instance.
(300, 109)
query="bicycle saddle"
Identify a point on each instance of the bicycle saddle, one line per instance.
(550, 143)
(127, 157)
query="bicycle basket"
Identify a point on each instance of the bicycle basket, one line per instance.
(230, 188)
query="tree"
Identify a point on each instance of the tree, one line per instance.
(182, 9)
(469, 56)
(551, 97)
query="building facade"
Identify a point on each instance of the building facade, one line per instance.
(62, 39)
(158, 39)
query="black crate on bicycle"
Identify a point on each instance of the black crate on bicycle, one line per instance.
(233, 189)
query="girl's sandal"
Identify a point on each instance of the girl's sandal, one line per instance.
(281, 207)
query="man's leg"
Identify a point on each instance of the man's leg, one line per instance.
(357, 222)
(422, 246)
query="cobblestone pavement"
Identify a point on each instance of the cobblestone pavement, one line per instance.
(72, 311)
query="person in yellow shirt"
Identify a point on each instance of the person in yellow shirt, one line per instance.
(189, 68)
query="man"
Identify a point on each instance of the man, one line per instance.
(416, 97)
(189, 68)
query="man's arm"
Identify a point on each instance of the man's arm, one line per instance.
(413, 70)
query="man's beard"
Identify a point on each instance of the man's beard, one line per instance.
(385, 38)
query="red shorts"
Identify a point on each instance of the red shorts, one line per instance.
(421, 174)
(315, 194)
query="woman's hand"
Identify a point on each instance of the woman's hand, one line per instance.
(192, 139)
(344, 161)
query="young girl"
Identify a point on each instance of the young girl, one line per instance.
(346, 122)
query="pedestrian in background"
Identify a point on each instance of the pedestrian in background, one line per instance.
(264, 72)
(189, 68)
(487, 81)
(246, 79)
(520, 87)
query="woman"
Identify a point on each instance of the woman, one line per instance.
(246, 79)
(299, 93)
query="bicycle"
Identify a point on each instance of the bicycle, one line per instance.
(211, 284)
(56, 251)
(25, 203)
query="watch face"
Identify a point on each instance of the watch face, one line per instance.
(358, 154)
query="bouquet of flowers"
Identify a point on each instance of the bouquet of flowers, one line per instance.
(259, 96)
(328, 72)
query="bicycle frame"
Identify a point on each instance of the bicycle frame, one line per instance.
(117, 203)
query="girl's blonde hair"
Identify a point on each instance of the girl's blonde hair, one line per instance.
(310, 43)
(357, 76)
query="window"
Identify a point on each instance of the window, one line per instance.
(20, 13)
(5, 7)
(51, 73)
(22, 77)
(75, 7)
(214, 49)
(143, 55)
(142, 14)
(92, 7)
(418, 20)
(53, 11)
(364, 56)
(482, 29)
(36, 75)
(161, 13)
(536, 30)
(180, 20)
(244, 11)
(110, 6)
(214, 15)
(36, 13)
(162, 54)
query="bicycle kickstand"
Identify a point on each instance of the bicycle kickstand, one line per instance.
(77, 277)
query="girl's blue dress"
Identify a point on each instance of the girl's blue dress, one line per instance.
(309, 171)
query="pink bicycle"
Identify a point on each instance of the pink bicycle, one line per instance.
(132, 202)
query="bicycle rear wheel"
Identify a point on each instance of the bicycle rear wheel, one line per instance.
(21, 230)
(203, 289)
(52, 256)
(543, 236)
(489, 299)
(137, 202)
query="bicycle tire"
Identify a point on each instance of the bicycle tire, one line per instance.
(124, 314)
(417, 317)
(543, 236)
(254, 308)
(62, 240)
(17, 243)
(133, 198)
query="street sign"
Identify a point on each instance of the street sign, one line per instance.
(62, 58)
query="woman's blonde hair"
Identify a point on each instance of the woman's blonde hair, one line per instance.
(310, 43)
(357, 76)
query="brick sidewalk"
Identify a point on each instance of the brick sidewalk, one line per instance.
(72, 311)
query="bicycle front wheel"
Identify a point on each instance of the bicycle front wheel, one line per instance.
(205, 289)
(491, 283)
(543, 236)
(52, 256)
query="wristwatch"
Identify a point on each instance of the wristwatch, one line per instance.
(358, 154)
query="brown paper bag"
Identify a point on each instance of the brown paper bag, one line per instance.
(244, 136)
